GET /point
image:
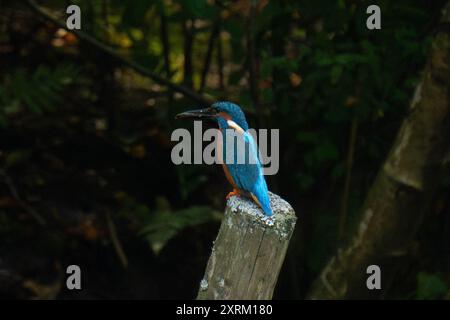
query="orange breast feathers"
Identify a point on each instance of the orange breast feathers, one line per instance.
(222, 161)
(233, 125)
(229, 177)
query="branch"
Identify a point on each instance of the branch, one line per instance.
(253, 56)
(220, 62)
(13, 190)
(165, 40)
(212, 38)
(115, 240)
(348, 177)
(188, 34)
(124, 61)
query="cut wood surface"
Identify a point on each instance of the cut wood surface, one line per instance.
(249, 251)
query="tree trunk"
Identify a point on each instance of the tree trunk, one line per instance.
(397, 200)
(249, 251)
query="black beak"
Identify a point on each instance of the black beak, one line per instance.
(197, 114)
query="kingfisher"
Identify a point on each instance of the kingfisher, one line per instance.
(246, 177)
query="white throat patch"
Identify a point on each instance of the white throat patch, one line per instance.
(235, 126)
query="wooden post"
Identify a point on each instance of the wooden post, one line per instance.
(248, 253)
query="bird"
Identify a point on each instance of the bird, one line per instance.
(246, 175)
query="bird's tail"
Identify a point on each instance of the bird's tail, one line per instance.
(261, 193)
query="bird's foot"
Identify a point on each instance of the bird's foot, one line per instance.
(235, 192)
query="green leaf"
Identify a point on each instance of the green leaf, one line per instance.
(197, 8)
(308, 137)
(163, 225)
(38, 91)
(430, 286)
(135, 12)
(326, 151)
(335, 73)
(16, 157)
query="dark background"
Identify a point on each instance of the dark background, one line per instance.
(86, 174)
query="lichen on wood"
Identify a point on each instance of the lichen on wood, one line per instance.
(248, 253)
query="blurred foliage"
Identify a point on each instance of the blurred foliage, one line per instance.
(430, 286)
(77, 126)
(40, 91)
(164, 223)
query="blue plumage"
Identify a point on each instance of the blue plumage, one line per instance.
(241, 158)
(248, 173)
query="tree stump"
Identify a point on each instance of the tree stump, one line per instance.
(248, 253)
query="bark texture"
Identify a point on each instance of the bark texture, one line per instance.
(249, 251)
(398, 198)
